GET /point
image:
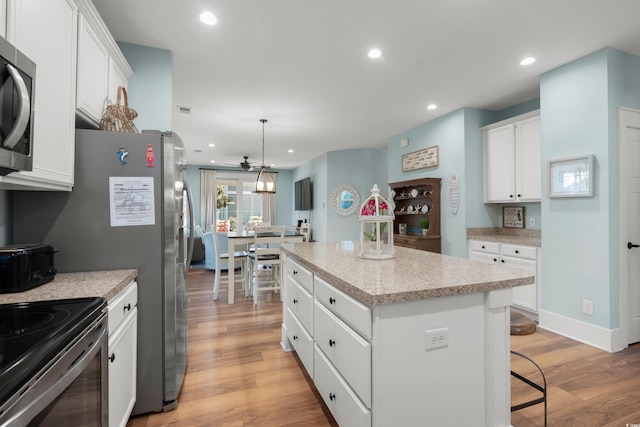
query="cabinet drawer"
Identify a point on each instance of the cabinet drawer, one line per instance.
(406, 241)
(526, 252)
(300, 274)
(486, 247)
(300, 339)
(340, 399)
(347, 351)
(484, 257)
(300, 302)
(122, 305)
(353, 312)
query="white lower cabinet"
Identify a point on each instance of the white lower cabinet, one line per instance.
(373, 365)
(508, 255)
(123, 327)
(344, 405)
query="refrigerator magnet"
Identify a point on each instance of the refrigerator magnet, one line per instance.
(122, 153)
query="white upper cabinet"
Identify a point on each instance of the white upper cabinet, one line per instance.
(101, 66)
(512, 169)
(46, 31)
(93, 73)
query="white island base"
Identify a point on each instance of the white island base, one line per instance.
(440, 361)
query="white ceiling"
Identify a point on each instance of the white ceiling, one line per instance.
(303, 64)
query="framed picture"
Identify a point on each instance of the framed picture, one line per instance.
(571, 177)
(420, 159)
(513, 216)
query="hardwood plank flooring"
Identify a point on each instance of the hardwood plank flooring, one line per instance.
(238, 375)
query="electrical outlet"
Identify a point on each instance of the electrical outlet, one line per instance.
(532, 221)
(587, 306)
(436, 338)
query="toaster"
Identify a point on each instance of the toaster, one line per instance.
(25, 266)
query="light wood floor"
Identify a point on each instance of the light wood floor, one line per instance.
(237, 374)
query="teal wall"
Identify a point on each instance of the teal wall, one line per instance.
(459, 140)
(579, 103)
(361, 169)
(316, 169)
(150, 87)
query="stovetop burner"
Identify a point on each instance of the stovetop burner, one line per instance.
(31, 334)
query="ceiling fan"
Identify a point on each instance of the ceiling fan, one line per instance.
(244, 165)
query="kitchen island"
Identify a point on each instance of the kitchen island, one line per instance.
(420, 339)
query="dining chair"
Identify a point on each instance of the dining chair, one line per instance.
(266, 244)
(221, 256)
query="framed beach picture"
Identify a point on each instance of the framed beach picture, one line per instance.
(571, 177)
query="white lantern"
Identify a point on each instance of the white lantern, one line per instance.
(376, 227)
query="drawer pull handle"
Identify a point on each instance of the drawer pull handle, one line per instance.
(502, 261)
(483, 247)
(295, 301)
(295, 272)
(495, 260)
(112, 357)
(331, 343)
(332, 300)
(332, 396)
(631, 245)
(295, 338)
(517, 251)
(127, 307)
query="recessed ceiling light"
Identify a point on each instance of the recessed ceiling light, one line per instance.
(290, 151)
(273, 165)
(212, 145)
(208, 18)
(528, 60)
(432, 107)
(374, 53)
(212, 161)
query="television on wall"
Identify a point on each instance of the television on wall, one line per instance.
(303, 195)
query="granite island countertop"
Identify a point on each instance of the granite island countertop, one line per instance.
(105, 284)
(411, 275)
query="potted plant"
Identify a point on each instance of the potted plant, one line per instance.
(424, 223)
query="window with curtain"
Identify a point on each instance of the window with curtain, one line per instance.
(243, 204)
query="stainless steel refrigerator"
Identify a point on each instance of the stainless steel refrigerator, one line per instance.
(128, 209)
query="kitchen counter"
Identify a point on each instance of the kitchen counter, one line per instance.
(106, 284)
(388, 341)
(411, 275)
(525, 237)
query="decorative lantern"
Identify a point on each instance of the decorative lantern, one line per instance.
(376, 227)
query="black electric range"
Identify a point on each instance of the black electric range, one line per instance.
(33, 333)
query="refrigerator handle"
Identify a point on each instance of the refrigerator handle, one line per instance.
(191, 229)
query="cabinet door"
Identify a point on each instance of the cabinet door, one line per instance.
(46, 31)
(93, 67)
(122, 371)
(528, 166)
(116, 78)
(499, 164)
(523, 296)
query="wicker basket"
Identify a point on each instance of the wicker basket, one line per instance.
(119, 117)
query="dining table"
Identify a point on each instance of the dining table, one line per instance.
(238, 241)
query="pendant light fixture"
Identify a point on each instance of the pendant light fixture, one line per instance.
(266, 182)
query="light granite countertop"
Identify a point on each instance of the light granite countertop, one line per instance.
(411, 275)
(525, 237)
(106, 284)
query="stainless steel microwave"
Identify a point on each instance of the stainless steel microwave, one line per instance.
(17, 96)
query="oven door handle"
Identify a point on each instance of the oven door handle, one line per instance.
(74, 365)
(24, 112)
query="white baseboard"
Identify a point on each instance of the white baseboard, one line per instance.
(596, 336)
